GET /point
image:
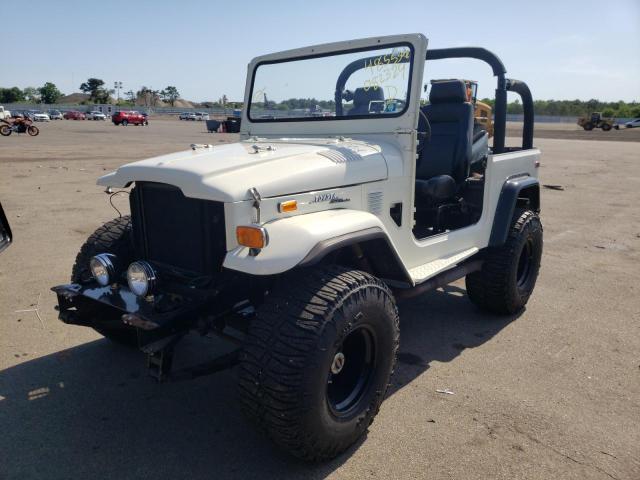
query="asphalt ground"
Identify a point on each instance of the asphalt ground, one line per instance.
(553, 392)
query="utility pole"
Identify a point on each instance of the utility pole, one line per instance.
(118, 87)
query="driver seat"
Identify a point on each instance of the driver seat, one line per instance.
(446, 159)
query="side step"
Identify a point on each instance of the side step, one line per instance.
(423, 272)
(441, 279)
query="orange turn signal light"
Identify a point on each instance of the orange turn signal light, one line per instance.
(252, 236)
(288, 206)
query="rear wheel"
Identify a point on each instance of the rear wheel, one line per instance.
(606, 127)
(5, 130)
(124, 123)
(318, 359)
(509, 272)
(113, 237)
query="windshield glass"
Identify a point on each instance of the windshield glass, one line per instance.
(371, 83)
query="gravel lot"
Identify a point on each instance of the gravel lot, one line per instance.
(553, 393)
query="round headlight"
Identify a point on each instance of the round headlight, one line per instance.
(103, 268)
(141, 278)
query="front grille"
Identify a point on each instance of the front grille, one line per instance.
(169, 228)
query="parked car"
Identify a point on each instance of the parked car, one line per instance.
(633, 123)
(74, 115)
(55, 114)
(96, 115)
(200, 116)
(4, 114)
(17, 114)
(126, 117)
(38, 116)
(185, 115)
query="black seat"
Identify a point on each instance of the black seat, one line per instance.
(362, 99)
(445, 160)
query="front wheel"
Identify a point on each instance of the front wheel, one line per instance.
(5, 130)
(588, 126)
(33, 130)
(124, 123)
(318, 359)
(509, 272)
(606, 127)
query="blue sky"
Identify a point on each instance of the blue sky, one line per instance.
(563, 49)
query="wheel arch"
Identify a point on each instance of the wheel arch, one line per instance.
(519, 191)
(369, 250)
(346, 237)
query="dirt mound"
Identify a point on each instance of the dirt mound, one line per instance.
(180, 103)
(74, 98)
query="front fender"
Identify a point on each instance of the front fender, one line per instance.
(296, 240)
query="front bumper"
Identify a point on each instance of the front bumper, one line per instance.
(107, 307)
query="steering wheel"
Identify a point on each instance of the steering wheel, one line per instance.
(424, 137)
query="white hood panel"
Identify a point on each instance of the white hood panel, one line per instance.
(226, 172)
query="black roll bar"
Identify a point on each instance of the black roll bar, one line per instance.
(346, 73)
(522, 89)
(504, 85)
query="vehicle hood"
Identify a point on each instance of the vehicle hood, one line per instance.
(227, 172)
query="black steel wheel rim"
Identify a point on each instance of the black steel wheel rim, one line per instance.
(525, 264)
(347, 387)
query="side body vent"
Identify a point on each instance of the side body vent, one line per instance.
(375, 202)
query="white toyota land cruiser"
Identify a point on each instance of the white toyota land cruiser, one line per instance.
(296, 240)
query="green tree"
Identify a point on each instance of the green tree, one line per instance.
(31, 94)
(148, 96)
(95, 88)
(49, 93)
(11, 95)
(131, 97)
(170, 95)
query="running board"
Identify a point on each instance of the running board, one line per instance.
(431, 269)
(441, 279)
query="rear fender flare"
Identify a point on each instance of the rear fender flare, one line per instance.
(519, 189)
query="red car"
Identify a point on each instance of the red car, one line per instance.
(125, 118)
(74, 115)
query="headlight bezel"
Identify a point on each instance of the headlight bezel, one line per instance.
(149, 276)
(109, 263)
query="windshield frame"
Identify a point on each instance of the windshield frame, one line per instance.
(368, 48)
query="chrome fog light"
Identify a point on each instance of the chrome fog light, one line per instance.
(141, 278)
(103, 268)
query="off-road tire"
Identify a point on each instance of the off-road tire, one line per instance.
(285, 380)
(504, 284)
(588, 126)
(606, 127)
(112, 237)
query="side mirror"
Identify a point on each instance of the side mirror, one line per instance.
(5, 231)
